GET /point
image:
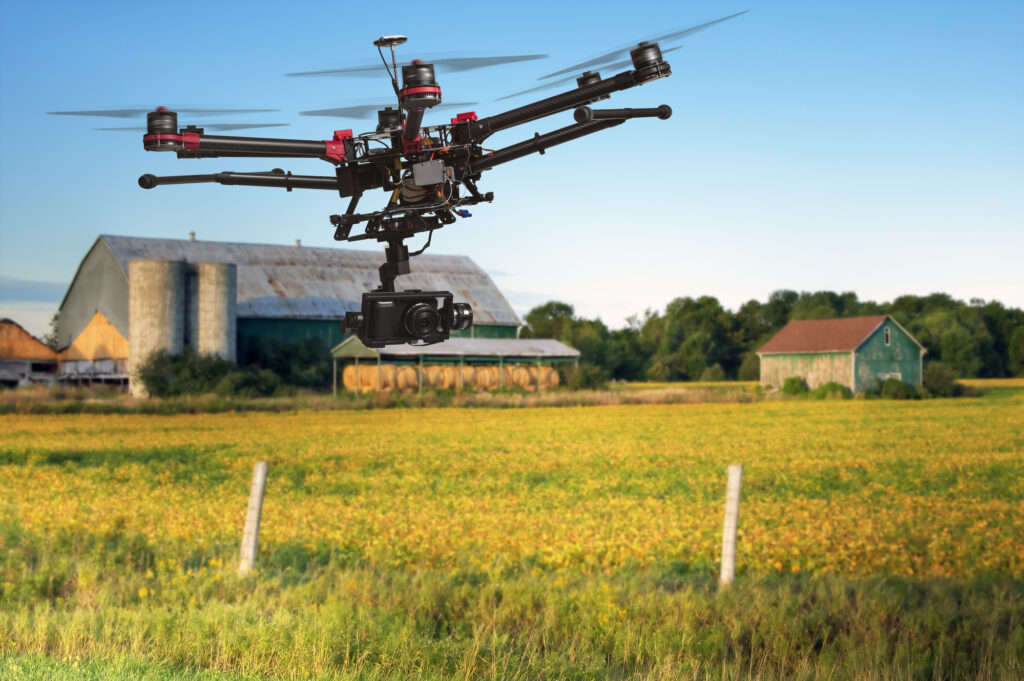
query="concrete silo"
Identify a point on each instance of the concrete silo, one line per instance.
(156, 313)
(191, 306)
(217, 300)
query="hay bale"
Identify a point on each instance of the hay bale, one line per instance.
(387, 377)
(486, 378)
(348, 378)
(405, 378)
(519, 378)
(468, 377)
(439, 377)
(367, 378)
(551, 379)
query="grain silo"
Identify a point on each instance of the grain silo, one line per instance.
(217, 300)
(156, 312)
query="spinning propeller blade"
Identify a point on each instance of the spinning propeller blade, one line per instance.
(449, 64)
(132, 113)
(617, 53)
(610, 68)
(368, 110)
(218, 127)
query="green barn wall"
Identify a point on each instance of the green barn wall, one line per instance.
(875, 360)
(816, 368)
(252, 331)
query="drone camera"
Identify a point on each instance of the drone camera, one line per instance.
(422, 317)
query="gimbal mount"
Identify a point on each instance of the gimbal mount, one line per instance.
(431, 173)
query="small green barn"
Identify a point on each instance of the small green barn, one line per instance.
(854, 351)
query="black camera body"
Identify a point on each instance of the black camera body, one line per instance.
(415, 317)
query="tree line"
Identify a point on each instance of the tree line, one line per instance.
(699, 339)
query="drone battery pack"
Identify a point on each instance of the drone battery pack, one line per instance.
(428, 172)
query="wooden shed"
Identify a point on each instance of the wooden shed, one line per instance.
(24, 359)
(854, 351)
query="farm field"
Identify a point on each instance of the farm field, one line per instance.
(877, 539)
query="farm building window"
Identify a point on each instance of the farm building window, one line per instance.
(887, 335)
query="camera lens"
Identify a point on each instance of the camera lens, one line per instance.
(462, 316)
(421, 320)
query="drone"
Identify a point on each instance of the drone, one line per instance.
(429, 174)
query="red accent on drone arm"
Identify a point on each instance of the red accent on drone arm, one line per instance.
(195, 145)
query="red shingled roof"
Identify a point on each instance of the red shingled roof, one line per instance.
(823, 335)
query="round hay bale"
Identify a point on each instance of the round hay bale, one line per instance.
(387, 376)
(405, 378)
(468, 377)
(434, 376)
(367, 378)
(450, 377)
(486, 377)
(550, 377)
(348, 378)
(520, 377)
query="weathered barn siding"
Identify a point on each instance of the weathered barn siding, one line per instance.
(17, 343)
(876, 361)
(99, 285)
(816, 368)
(98, 340)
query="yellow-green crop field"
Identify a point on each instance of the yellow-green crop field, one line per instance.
(121, 520)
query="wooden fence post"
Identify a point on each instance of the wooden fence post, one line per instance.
(250, 536)
(732, 514)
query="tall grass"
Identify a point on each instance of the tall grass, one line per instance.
(319, 613)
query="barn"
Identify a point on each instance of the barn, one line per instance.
(219, 297)
(854, 351)
(24, 359)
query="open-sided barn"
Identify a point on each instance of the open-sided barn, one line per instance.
(854, 351)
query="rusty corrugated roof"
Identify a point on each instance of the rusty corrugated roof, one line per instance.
(823, 335)
(321, 283)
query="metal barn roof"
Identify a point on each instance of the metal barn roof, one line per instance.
(320, 283)
(511, 349)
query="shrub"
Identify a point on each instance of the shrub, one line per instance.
(584, 376)
(896, 389)
(794, 385)
(750, 368)
(167, 375)
(831, 391)
(940, 381)
(249, 382)
(713, 373)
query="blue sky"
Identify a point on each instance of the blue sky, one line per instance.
(874, 146)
